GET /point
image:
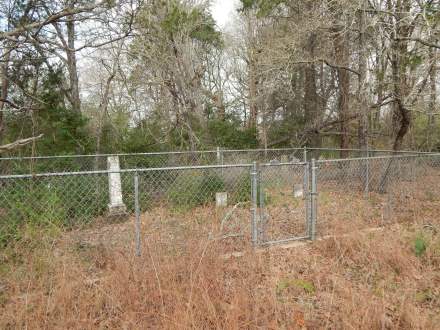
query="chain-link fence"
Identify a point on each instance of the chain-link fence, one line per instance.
(177, 203)
(78, 163)
(370, 192)
(264, 203)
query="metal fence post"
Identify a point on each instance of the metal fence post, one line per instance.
(305, 155)
(367, 175)
(220, 160)
(307, 197)
(254, 204)
(261, 207)
(137, 213)
(314, 206)
(218, 156)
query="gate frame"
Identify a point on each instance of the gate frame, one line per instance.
(258, 208)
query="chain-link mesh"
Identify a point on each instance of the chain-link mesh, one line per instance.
(282, 198)
(370, 192)
(63, 201)
(180, 205)
(176, 203)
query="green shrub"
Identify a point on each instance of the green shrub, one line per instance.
(420, 245)
(147, 182)
(242, 191)
(84, 197)
(194, 189)
(38, 205)
(63, 202)
(305, 285)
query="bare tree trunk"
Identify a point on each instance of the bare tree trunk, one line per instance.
(252, 75)
(71, 63)
(311, 102)
(220, 105)
(362, 69)
(380, 72)
(253, 111)
(4, 88)
(399, 63)
(432, 98)
(103, 108)
(342, 53)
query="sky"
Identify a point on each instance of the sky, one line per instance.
(222, 10)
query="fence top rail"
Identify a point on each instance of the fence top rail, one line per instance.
(133, 170)
(374, 150)
(141, 170)
(325, 161)
(161, 153)
(187, 152)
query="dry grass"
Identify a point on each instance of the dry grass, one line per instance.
(388, 279)
(367, 281)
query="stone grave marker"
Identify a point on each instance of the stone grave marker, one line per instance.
(116, 207)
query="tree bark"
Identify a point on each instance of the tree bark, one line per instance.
(342, 53)
(362, 69)
(432, 98)
(103, 108)
(399, 63)
(4, 89)
(252, 77)
(71, 62)
(253, 112)
(311, 102)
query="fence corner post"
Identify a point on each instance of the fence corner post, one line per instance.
(254, 204)
(137, 214)
(313, 198)
(367, 174)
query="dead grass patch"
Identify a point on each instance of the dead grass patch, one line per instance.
(91, 279)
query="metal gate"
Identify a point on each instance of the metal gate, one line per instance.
(283, 199)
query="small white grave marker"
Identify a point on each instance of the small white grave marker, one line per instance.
(298, 190)
(116, 205)
(293, 159)
(221, 199)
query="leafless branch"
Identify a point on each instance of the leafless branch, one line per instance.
(66, 12)
(19, 143)
(421, 41)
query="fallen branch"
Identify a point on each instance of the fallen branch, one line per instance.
(316, 129)
(19, 143)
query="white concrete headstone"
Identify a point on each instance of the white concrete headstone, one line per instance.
(116, 205)
(221, 199)
(295, 160)
(298, 190)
